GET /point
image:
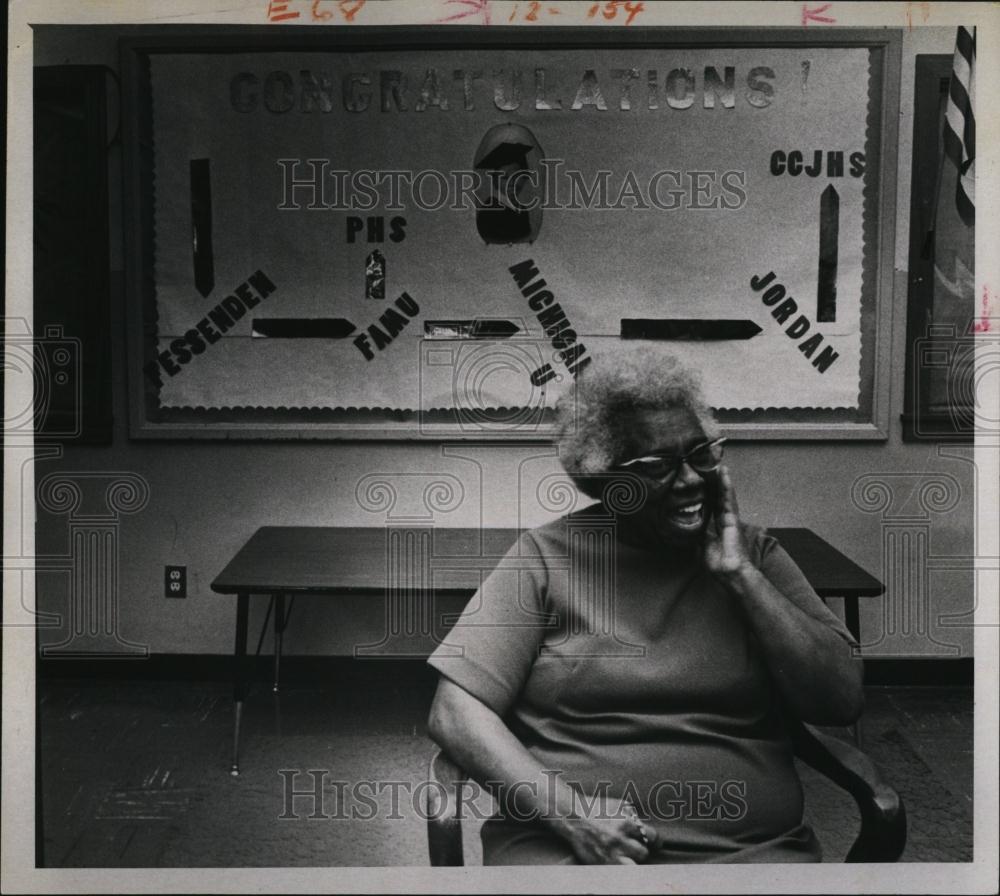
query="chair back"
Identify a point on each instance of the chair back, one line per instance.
(444, 823)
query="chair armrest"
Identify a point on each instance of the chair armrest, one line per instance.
(883, 816)
(444, 822)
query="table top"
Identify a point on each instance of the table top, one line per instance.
(352, 560)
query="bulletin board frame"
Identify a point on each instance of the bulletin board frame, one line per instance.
(149, 420)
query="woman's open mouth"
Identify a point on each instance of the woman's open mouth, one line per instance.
(688, 516)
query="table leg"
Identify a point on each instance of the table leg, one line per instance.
(858, 733)
(279, 631)
(852, 618)
(239, 674)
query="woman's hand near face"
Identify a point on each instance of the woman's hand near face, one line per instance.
(726, 552)
(811, 665)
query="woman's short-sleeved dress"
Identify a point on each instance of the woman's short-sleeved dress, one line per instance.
(633, 675)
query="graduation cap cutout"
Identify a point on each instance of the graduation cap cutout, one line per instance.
(507, 148)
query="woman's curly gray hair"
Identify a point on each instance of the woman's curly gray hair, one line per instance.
(593, 417)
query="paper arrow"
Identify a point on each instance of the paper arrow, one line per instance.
(302, 327)
(687, 328)
(829, 234)
(201, 226)
(469, 329)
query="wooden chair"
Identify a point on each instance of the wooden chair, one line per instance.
(883, 818)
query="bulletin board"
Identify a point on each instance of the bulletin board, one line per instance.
(429, 233)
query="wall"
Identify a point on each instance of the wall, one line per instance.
(206, 499)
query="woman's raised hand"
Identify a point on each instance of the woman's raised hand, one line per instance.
(726, 553)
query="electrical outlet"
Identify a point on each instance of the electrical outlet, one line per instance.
(175, 581)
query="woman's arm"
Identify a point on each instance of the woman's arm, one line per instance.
(812, 666)
(477, 739)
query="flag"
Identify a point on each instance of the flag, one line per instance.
(960, 123)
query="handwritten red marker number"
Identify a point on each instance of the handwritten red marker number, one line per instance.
(534, 8)
(348, 9)
(611, 8)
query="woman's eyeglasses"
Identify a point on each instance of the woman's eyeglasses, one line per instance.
(703, 458)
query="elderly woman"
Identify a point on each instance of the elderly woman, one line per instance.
(647, 723)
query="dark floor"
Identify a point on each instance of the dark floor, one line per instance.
(136, 773)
